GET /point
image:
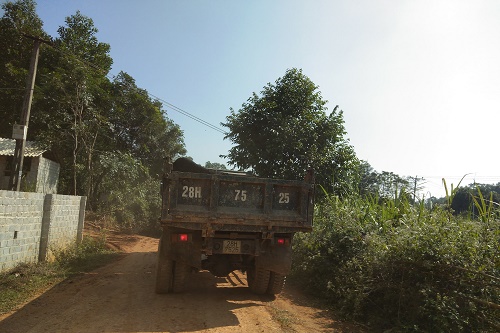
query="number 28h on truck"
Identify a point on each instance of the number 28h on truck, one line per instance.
(221, 221)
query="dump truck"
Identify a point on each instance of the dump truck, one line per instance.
(222, 221)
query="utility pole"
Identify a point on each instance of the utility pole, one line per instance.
(415, 190)
(20, 130)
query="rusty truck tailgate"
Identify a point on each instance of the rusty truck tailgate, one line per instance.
(235, 201)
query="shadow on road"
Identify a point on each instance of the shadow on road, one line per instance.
(120, 298)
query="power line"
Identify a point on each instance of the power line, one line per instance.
(167, 104)
(476, 178)
(187, 114)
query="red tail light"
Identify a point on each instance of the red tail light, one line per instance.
(183, 237)
(281, 241)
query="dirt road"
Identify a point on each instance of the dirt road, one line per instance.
(120, 297)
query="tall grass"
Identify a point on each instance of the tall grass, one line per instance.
(397, 265)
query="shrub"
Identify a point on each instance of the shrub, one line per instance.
(394, 265)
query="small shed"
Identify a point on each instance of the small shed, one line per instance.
(40, 174)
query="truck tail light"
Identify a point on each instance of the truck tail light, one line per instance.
(282, 241)
(183, 238)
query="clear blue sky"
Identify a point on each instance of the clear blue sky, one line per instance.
(418, 81)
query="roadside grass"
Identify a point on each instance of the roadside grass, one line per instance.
(283, 317)
(27, 280)
(398, 266)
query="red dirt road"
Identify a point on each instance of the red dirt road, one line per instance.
(120, 297)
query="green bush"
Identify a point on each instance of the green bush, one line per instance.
(397, 266)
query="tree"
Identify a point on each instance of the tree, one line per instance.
(134, 203)
(385, 185)
(463, 202)
(80, 85)
(367, 184)
(287, 130)
(15, 52)
(72, 93)
(215, 165)
(140, 126)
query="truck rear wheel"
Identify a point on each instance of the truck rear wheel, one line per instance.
(258, 280)
(164, 270)
(181, 271)
(276, 283)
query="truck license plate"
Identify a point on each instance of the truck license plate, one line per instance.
(231, 246)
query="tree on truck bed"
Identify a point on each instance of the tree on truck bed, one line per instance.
(221, 221)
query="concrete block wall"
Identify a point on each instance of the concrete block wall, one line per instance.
(47, 175)
(63, 220)
(20, 227)
(33, 224)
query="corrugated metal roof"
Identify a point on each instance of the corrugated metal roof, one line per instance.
(8, 146)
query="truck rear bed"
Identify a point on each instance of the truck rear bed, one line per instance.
(236, 202)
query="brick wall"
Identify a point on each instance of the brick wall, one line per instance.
(34, 224)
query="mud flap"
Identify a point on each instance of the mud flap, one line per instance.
(276, 259)
(164, 269)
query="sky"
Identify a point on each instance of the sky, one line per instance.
(418, 81)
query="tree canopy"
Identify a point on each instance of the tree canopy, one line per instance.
(215, 165)
(15, 53)
(286, 130)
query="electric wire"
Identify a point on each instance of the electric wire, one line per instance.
(165, 103)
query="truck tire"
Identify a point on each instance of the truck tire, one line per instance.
(276, 283)
(164, 270)
(181, 270)
(258, 280)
